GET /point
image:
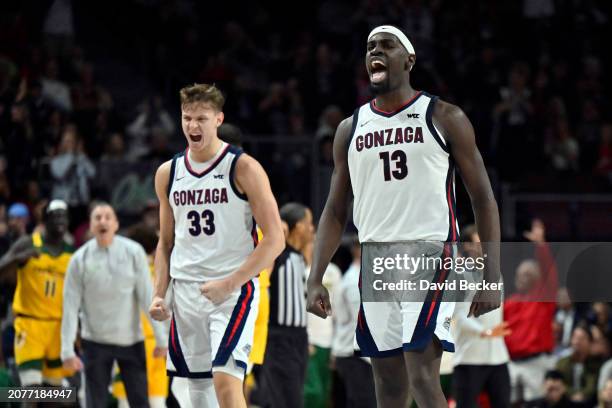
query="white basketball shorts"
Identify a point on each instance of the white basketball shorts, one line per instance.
(387, 324)
(206, 338)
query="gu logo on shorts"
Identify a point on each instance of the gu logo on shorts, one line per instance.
(447, 323)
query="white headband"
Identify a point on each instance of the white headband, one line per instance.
(57, 205)
(396, 32)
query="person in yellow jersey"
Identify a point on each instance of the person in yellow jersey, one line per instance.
(40, 261)
(260, 336)
(157, 379)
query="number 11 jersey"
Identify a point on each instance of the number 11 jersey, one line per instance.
(402, 174)
(214, 229)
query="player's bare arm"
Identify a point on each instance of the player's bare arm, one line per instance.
(459, 133)
(159, 310)
(252, 180)
(19, 253)
(332, 222)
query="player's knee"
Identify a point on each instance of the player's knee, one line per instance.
(423, 380)
(390, 389)
(227, 386)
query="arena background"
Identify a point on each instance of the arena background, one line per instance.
(102, 79)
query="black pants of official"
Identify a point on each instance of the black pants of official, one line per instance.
(358, 380)
(470, 380)
(98, 360)
(284, 369)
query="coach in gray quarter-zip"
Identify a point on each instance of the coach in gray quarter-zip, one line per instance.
(107, 285)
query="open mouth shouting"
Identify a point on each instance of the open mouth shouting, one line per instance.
(378, 70)
(195, 138)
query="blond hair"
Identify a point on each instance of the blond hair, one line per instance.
(202, 93)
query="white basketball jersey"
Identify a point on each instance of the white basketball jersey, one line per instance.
(214, 229)
(402, 174)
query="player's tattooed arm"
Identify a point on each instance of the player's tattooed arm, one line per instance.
(252, 179)
(19, 253)
(459, 135)
(332, 222)
(159, 310)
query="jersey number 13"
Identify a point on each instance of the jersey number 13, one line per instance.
(399, 160)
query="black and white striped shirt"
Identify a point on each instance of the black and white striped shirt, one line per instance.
(288, 290)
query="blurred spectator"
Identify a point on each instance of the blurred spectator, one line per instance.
(115, 149)
(38, 106)
(563, 149)
(565, 320)
(580, 369)
(19, 145)
(18, 220)
(555, 393)
(54, 89)
(72, 172)
(87, 95)
(51, 132)
(152, 115)
(160, 150)
(530, 314)
(601, 317)
(605, 375)
(5, 188)
(605, 395)
(481, 359)
(588, 134)
(58, 27)
(274, 109)
(600, 348)
(150, 217)
(513, 116)
(329, 120)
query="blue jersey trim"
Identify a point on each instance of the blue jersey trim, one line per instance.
(237, 152)
(172, 171)
(430, 124)
(353, 128)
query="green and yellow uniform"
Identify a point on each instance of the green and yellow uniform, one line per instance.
(37, 305)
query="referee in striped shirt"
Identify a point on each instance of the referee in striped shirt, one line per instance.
(284, 367)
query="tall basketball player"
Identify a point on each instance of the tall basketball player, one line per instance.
(40, 261)
(211, 196)
(395, 157)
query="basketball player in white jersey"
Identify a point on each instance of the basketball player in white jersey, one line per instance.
(395, 158)
(211, 197)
